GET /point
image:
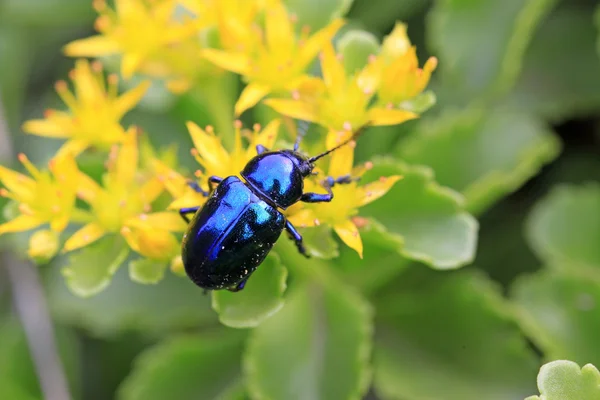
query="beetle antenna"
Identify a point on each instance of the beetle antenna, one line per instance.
(355, 135)
(301, 130)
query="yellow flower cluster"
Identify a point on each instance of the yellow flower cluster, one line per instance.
(168, 39)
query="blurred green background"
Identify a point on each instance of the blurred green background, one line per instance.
(515, 130)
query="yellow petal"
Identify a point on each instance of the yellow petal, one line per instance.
(73, 148)
(303, 218)
(130, 64)
(155, 244)
(83, 237)
(127, 160)
(251, 95)
(167, 221)
(151, 190)
(176, 265)
(267, 137)
(174, 182)
(294, 108)
(87, 87)
(311, 47)
(21, 186)
(341, 161)
(279, 31)
(129, 99)
(374, 190)
(396, 43)
(20, 224)
(98, 45)
(389, 116)
(333, 71)
(45, 127)
(87, 188)
(190, 199)
(234, 62)
(209, 146)
(349, 234)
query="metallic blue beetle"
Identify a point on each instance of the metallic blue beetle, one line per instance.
(230, 236)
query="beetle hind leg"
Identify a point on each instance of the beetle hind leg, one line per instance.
(297, 238)
(188, 210)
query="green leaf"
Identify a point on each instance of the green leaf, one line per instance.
(559, 311)
(356, 46)
(146, 271)
(175, 303)
(564, 227)
(89, 271)
(317, 13)
(189, 367)
(429, 219)
(380, 18)
(560, 73)
(316, 347)
(485, 154)
(480, 43)
(452, 329)
(48, 13)
(261, 298)
(319, 242)
(381, 260)
(564, 380)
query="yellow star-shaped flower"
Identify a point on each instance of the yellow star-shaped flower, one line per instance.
(94, 110)
(123, 205)
(338, 101)
(278, 59)
(348, 198)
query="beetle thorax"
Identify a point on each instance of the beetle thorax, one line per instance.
(278, 176)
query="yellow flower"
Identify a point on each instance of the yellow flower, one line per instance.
(214, 160)
(401, 77)
(340, 102)
(95, 110)
(43, 245)
(340, 212)
(137, 29)
(278, 59)
(47, 197)
(234, 19)
(122, 205)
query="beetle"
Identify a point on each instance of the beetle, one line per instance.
(232, 233)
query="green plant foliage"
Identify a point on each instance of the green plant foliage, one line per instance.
(188, 367)
(564, 228)
(429, 219)
(453, 329)
(565, 380)
(316, 347)
(261, 298)
(484, 154)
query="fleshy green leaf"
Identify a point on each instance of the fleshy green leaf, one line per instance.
(191, 367)
(317, 13)
(319, 242)
(316, 347)
(449, 336)
(564, 380)
(564, 227)
(356, 46)
(146, 271)
(175, 303)
(380, 261)
(483, 154)
(560, 313)
(560, 73)
(261, 298)
(430, 219)
(480, 43)
(89, 270)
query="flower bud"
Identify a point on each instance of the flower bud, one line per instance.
(43, 246)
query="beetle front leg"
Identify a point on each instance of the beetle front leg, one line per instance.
(212, 180)
(188, 210)
(297, 238)
(328, 183)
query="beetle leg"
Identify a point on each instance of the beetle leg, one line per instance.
(261, 149)
(188, 210)
(297, 237)
(328, 183)
(239, 286)
(194, 185)
(214, 180)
